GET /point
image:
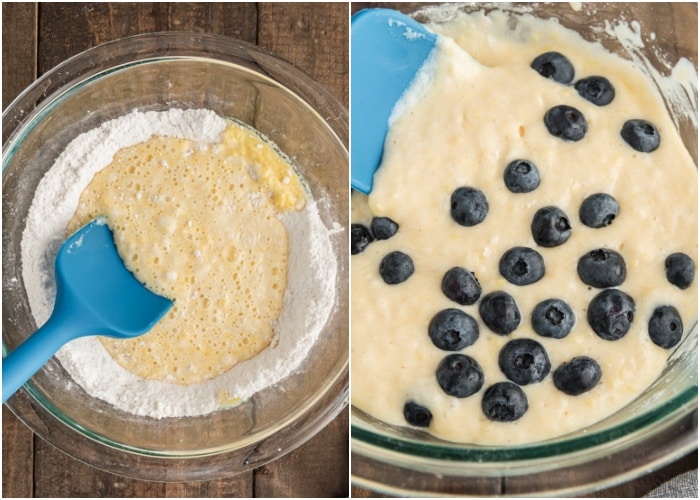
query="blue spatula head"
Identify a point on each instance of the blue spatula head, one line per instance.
(388, 48)
(90, 274)
(95, 295)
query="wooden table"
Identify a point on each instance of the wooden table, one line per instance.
(36, 37)
(676, 22)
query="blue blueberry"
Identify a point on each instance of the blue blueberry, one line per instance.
(417, 415)
(555, 66)
(680, 270)
(550, 227)
(641, 135)
(665, 327)
(360, 237)
(566, 122)
(611, 313)
(459, 375)
(521, 176)
(577, 376)
(598, 210)
(461, 285)
(468, 206)
(602, 268)
(383, 228)
(524, 361)
(521, 266)
(596, 89)
(396, 267)
(504, 402)
(500, 312)
(453, 329)
(553, 318)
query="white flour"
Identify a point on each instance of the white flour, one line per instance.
(308, 300)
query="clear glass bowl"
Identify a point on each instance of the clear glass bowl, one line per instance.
(156, 72)
(657, 428)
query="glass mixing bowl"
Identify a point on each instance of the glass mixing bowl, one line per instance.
(657, 428)
(156, 72)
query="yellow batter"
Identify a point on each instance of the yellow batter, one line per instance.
(483, 109)
(198, 224)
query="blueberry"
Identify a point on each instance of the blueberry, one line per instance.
(453, 329)
(360, 237)
(611, 313)
(553, 318)
(641, 135)
(416, 414)
(598, 210)
(566, 122)
(550, 227)
(521, 176)
(459, 375)
(524, 361)
(383, 228)
(555, 66)
(596, 89)
(499, 311)
(396, 267)
(602, 268)
(468, 206)
(577, 376)
(521, 266)
(461, 285)
(665, 327)
(680, 270)
(504, 402)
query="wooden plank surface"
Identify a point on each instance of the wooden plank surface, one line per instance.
(36, 37)
(679, 24)
(19, 22)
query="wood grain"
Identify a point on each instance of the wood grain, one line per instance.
(19, 23)
(308, 472)
(37, 37)
(17, 457)
(325, 55)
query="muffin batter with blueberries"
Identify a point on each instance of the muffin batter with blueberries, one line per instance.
(525, 262)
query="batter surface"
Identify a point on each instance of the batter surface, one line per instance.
(199, 224)
(484, 108)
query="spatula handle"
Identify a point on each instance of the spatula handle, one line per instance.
(22, 363)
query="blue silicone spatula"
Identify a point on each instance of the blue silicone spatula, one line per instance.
(388, 48)
(95, 295)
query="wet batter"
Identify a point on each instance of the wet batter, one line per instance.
(199, 224)
(483, 109)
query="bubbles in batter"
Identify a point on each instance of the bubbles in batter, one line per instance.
(198, 223)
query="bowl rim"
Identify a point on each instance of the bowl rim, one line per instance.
(28, 404)
(681, 404)
(480, 456)
(49, 83)
(606, 469)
